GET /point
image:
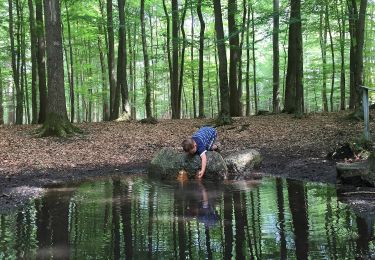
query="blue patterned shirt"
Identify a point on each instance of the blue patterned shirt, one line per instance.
(204, 138)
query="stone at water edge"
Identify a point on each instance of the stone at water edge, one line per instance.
(241, 161)
(216, 168)
(168, 162)
(165, 164)
(357, 174)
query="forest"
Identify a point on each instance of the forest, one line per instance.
(71, 61)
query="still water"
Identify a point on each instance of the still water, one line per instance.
(137, 218)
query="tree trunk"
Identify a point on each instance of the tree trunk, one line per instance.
(57, 122)
(239, 92)
(111, 60)
(358, 43)
(15, 67)
(234, 46)
(146, 63)
(152, 82)
(1, 98)
(41, 58)
(248, 62)
(71, 78)
(276, 57)
(131, 68)
(332, 59)
(224, 115)
(182, 59)
(294, 88)
(122, 80)
(104, 79)
(341, 23)
(192, 59)
(168, 50)
(254, 60)
(200, 53)
(175, 98)
(323, 47)
(135, 54)
(24, 85)
(33, 43)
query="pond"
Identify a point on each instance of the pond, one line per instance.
(135, 218)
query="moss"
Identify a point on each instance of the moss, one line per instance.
(223, 120)
(57, 125)
(150, 120)
(356, 115)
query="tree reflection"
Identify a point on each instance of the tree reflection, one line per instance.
(297, 204)
(365, 226)
(281, 218)
(52, 221)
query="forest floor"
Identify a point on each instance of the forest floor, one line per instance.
(293, 148)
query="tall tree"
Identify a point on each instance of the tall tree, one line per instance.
(15, 62)
(168, 47)
(146, 62)
(332, 58)
(276, 57)
(57, 122)
(33, 42)
(182, 62)
(122, 80)
(234, 47)
(254, 58)
(192, 59)
(294, 87)
(200, 69)
(71, 67)
(357, 24)
(239, 88)
(1, 98)
(224, 115)
(175, 98)
(41, 59)
(341, 24)
(323, 47)
(111, 59)
(248, 62)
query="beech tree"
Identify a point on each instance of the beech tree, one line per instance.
(294, 87)
(57, 122)
(224, 115)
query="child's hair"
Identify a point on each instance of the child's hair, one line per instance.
(188, 144)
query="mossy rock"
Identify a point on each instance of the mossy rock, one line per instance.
(168, 162)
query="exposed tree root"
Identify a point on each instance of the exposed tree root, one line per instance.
(59, 126)
(151, 120)
(223, 120)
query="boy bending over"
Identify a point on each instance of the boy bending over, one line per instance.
(201, 142)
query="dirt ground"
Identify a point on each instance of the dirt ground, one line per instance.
(293, 148)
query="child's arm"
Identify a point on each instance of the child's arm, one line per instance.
(203, 168)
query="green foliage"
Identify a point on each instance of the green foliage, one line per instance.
(88, 23)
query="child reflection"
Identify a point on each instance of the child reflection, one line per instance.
(206, 213)
(199, 202)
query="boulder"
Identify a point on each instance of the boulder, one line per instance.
(241, 161)
(168, 162)
(356, 174)
(216, 168)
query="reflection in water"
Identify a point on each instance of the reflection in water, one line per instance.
(135, 218)
(297, 204)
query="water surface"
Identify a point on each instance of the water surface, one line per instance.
(138, 218)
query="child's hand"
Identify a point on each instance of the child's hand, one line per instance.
(200, 174)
